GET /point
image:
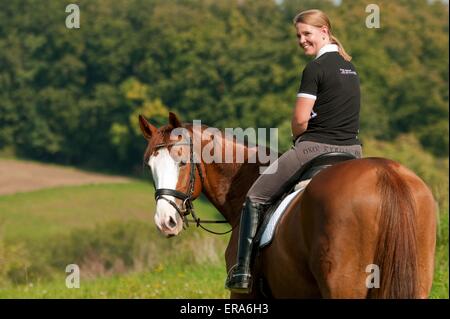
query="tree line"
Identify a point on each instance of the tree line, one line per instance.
(73, 95)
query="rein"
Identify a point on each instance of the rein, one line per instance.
(187, 198)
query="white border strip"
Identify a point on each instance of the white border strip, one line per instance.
(306, 95)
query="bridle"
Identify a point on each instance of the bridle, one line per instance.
(186, 198)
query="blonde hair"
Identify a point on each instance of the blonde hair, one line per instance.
(319, 19)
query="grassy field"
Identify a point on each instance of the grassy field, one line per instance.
(108, 230)
(39, 214)
(171, 281)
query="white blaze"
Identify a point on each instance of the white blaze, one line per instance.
(165, 173)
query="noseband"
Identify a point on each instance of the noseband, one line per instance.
(186, 198)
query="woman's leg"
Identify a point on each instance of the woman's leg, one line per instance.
(269, 187)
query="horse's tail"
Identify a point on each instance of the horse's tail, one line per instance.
(396, 254)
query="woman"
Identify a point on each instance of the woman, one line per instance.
(325, 119)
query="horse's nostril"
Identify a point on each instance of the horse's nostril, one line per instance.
(172, 222)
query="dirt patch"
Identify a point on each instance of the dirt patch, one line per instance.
(22, 176)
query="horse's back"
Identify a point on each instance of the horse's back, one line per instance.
(333, 229)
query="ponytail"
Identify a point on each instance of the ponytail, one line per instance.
(342, 51)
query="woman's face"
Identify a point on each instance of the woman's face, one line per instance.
(310, 38)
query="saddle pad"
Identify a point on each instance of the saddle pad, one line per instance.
(267, 235)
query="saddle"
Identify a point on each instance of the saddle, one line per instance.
(295, 185)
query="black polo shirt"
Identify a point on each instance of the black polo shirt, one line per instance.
(334, 84)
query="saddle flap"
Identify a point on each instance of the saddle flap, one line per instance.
(268, 228)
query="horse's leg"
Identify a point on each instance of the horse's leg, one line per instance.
(285, 260)
(340, 240)
(342, 213)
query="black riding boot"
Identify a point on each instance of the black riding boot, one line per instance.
(239, 278)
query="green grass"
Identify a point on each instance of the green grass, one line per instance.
(108, 230)
(440, 287)
(164, 281)
(40, 214)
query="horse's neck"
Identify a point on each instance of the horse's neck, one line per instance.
(226, 186)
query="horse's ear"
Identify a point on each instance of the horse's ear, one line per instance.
(147, 129)
(173, 120)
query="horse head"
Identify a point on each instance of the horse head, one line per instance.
(176, 175)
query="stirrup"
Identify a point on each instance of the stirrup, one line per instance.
(240, 283)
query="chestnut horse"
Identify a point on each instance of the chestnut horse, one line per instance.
(351, 216)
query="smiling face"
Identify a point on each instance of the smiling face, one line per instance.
(310, 38)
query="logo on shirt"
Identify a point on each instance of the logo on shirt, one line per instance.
(347, 71)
